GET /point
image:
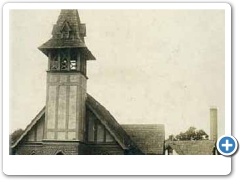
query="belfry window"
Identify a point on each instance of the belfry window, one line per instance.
(73, 65)
(54, 61)
(73, 60)
(64, 64)
(65, 60)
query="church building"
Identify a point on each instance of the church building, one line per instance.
(72, 121)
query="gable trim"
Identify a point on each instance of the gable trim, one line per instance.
(121, 137)
(29, 127)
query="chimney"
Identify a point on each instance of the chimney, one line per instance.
(213, 124)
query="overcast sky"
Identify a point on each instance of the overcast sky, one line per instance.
(153, 66)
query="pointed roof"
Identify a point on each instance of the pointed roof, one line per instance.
(106, 119)
(39, 116)
(68, 32)
(112, 125)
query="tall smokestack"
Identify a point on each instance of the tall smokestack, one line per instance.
(213, 124)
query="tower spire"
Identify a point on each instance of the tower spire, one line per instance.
(68, 32)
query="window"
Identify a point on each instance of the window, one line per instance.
(59, 153)
(54, 65)
(73, 65)
(64, 64)
(73, 59)
(97, 133)
(64, 60)
(100, 133)
(91, 130)
(54, 61)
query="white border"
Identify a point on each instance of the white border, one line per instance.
(114, 165)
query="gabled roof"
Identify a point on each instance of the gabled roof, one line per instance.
(68, 32)
(106, 119)
(203, 147)
(148, 137)
(111, 125)
(30, 126)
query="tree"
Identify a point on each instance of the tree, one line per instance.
(15, 135)
(171, 137)
(191, 134)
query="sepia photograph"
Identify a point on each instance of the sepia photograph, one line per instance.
(116, 81)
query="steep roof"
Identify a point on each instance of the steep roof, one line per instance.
(204, 147)
(30, 126)
(148, 137)
(112, 125)
(106, 119)
(68, 32)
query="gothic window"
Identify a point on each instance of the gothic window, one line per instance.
(33, 153)
(59, 153)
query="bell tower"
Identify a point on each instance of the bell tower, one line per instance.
(66, 79)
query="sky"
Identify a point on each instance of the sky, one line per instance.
(153, 66)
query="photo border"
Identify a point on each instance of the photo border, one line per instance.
(115, 164)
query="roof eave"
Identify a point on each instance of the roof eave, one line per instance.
(89, 56)
(29, 127)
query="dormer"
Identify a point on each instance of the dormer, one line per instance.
(65, 31)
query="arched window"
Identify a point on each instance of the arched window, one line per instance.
(33, 153)
(59, 153)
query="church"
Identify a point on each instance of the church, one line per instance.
(72, 122)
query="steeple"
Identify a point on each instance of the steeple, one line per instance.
(68, 32)
(66, 79)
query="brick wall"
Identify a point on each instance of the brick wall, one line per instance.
(67, 148)
(105, 150)
(28, 149)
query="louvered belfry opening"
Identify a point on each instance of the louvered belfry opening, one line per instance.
(66, 50)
